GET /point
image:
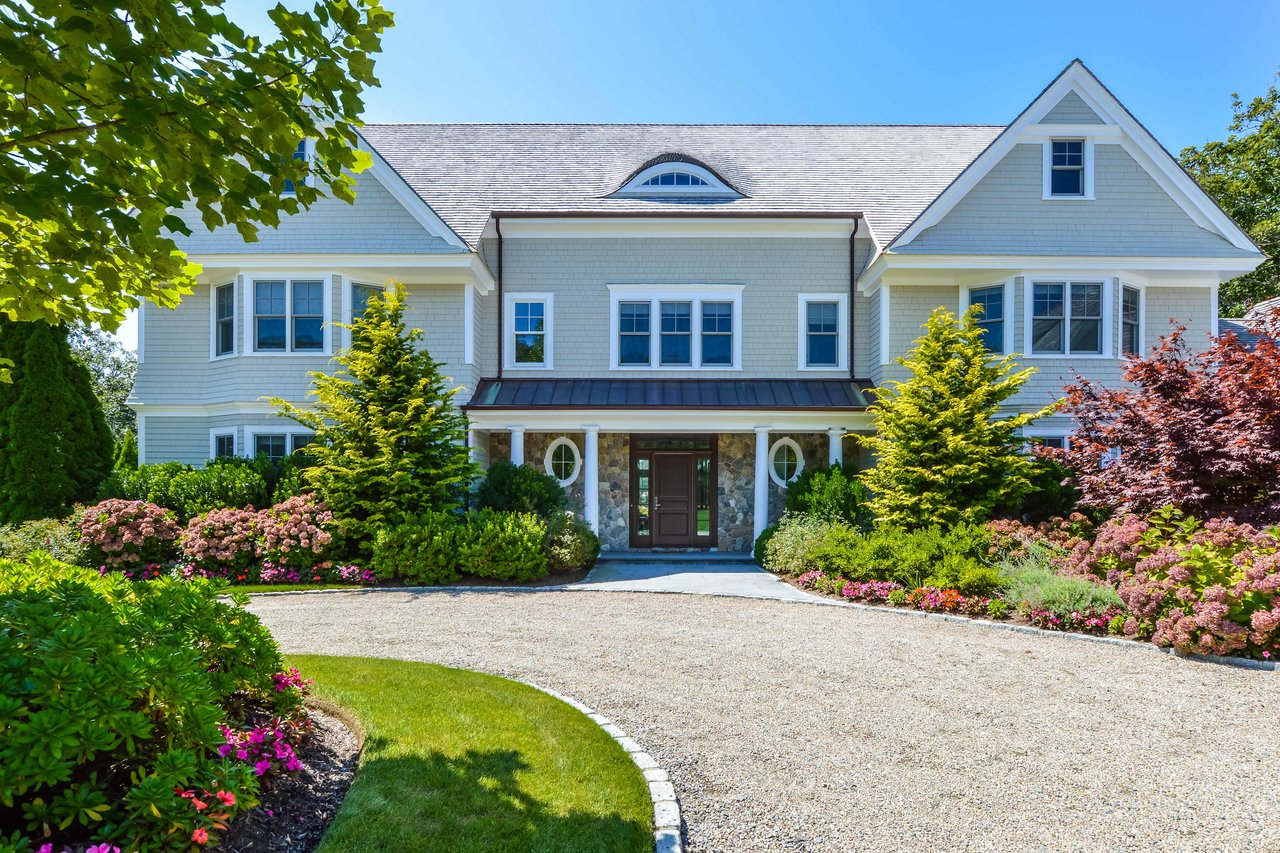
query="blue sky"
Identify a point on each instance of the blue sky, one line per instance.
(1173, 63)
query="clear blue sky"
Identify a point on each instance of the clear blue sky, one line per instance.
(1173, 63)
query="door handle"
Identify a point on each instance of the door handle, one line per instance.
(657, 506)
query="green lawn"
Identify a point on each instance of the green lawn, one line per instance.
(460, 761)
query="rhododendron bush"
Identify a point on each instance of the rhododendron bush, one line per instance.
(1196, 430)
(1202, 587)
(115, 698)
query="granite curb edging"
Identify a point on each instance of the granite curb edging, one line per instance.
(1243, 663)
(668, 824)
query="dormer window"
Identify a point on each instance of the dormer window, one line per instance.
(676, 178)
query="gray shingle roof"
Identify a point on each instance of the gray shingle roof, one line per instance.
(887, 172)
(1248, 336)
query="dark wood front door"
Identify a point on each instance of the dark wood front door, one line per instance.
(673, 517)
(673, 491)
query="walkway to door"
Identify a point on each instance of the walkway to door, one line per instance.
(713, 573)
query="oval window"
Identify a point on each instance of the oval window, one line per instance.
(785, 461)
(563, 461)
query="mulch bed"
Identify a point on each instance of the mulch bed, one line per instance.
(295, 814)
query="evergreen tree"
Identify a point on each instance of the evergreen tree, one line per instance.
(389, 442)
(945, 457)
(55, 447)
(127, 452)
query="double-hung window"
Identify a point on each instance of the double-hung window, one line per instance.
(1067, 168)
(224, 446)
(677, 334)
(224, 320)
(303, 153)
(288, 315)
(531, 333)
(1066, 318)
(667, 326)
(360, 296)
(991, 320)
(822, 334)
(633, 333)
(1130, 321)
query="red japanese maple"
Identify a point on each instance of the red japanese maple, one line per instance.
(1195, 430)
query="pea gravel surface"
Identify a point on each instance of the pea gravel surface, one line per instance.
(802, 728)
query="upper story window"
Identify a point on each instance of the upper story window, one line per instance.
(1130, 320)
(674, 177)
(1067, 318)
(694, 326)
(1068, 169)
(302, 152)
(528, 318)
(992, 318)
(224, 320)
(289, 315)
(824, 322)
(360, 296)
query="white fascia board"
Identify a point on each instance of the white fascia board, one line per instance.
(727, 226)
(187, 410)
(417, 207)
(666, 420)
(450, 266)
(1136, 139)
(1224, 268)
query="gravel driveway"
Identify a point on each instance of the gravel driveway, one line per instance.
(795, 727)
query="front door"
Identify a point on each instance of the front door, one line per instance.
(673, 517)
(673, 491)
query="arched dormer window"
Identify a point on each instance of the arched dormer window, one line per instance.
(676, 178)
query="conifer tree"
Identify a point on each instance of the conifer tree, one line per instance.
(945, 454)
(127, 452)
(55, 446)
(389, 441)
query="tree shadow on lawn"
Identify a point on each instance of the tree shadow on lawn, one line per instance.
(471, 802)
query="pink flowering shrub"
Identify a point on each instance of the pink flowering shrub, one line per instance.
(1202, 587)
(1012, 538)
(296, 533)
(222, 538)
(873, 591)
(810, 579)
(128, 534)
(1090, 621)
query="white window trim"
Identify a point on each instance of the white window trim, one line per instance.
(773, 452)
(251, 434)
(1009, 318)
(509, 325)
(213, 321)
(695, 294)
(842, 331)
(326, 325)
(1142, 316)
(577, 461)
(1049, 432)
(214, 432)
(309, 149)
(714, 188)
(348, 286)
(1108, 315)
(1046, 189)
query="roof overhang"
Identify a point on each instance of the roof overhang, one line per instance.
(423, 268)
(715, 222)
(666, 420)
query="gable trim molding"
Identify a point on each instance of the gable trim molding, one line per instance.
(1136, 139)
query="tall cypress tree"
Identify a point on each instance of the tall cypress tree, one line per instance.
(55, 446)
(944, 454)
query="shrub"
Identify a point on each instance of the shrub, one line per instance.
(873, 591)
(569, 543)
(226, 538)
(150, 483)
(1034, 585)
(519, 488)
(945, 453)
(829, 493)
(216, 486)
(137, 678)
(1012, 538)
(120, 533)
(759, 551)
(1202, 587)
(786, 550)
(421, 553)
(296, 533)
(60, 538)
(503, 545)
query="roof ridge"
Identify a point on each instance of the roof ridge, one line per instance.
(661, 124)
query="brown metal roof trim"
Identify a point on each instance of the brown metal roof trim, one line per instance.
(683, 394)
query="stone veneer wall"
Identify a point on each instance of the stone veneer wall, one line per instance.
(535, 452)
(813, 446)
(615, 491)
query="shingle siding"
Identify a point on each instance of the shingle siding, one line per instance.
(376, 222)
(1006, 214)
(1071, 110)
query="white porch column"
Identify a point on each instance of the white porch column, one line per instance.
(760, 508)
(835, 446)
(591, 477)
(517, 445)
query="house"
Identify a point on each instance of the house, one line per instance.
(676, 320)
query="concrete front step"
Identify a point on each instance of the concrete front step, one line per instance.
(684, 558)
